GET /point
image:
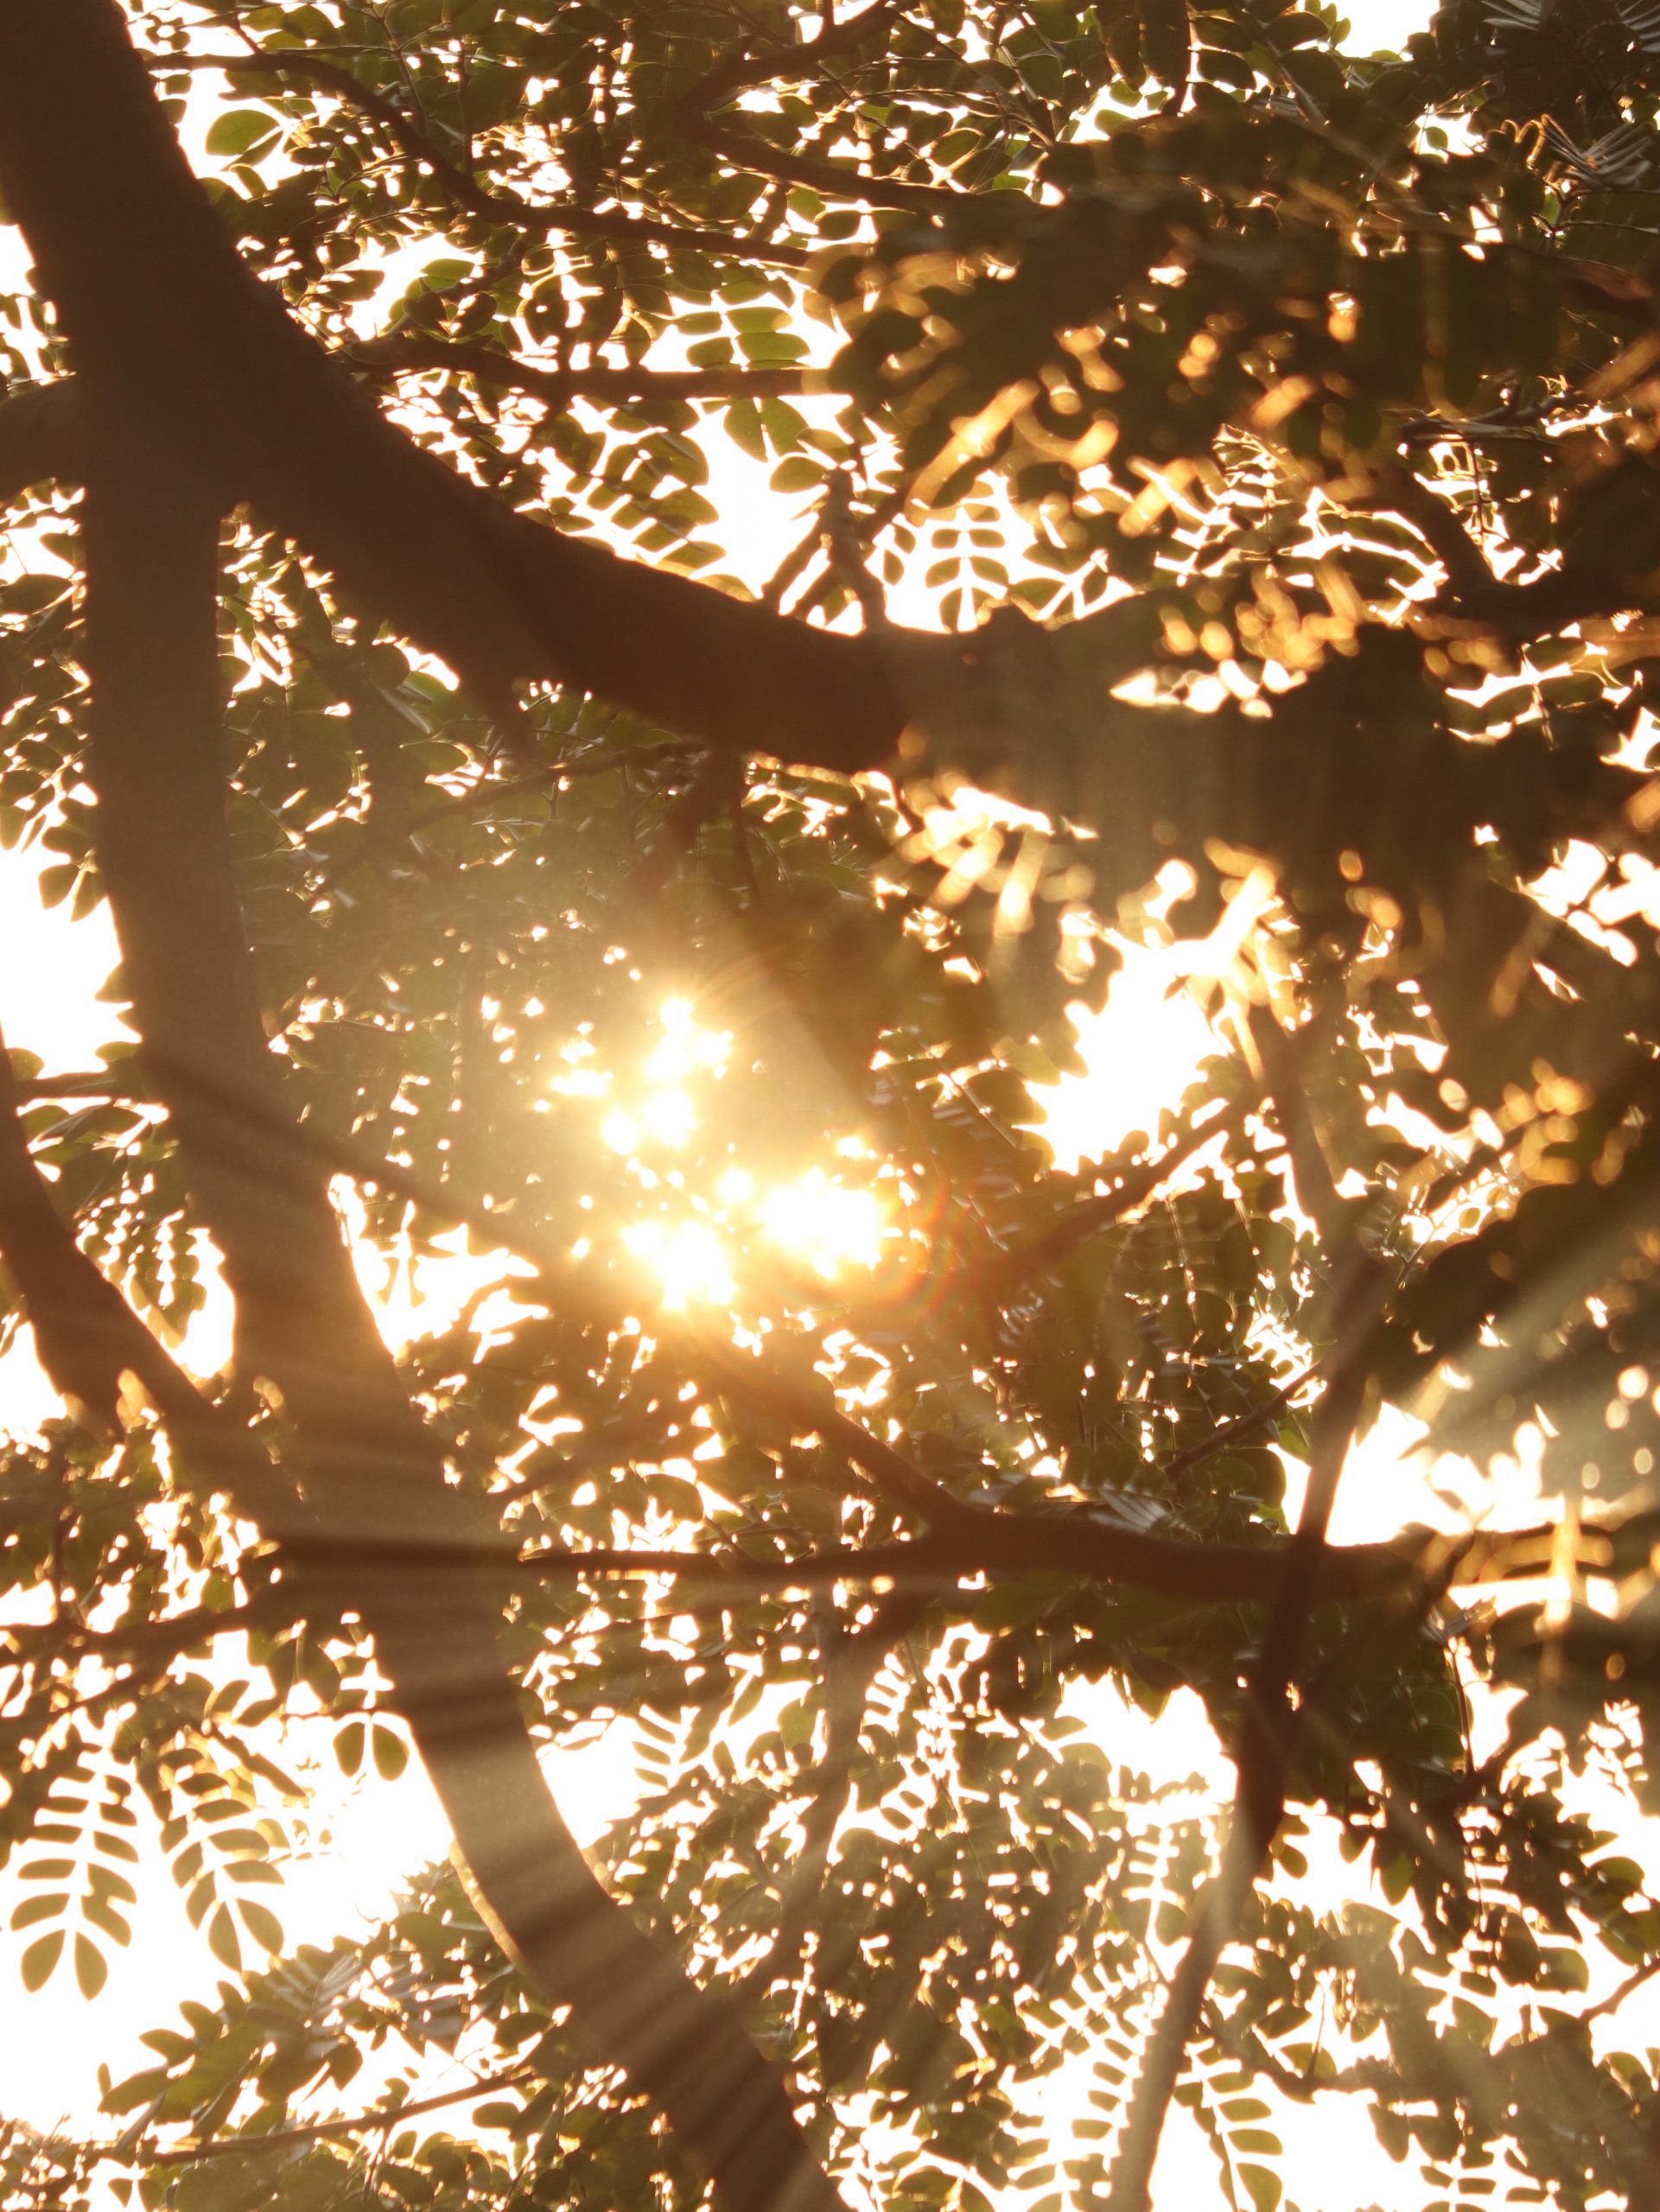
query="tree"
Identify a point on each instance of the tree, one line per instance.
(1275, 431)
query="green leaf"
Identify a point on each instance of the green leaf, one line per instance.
(261, 1923)
(222, 1938)
(239, 132)
(40, 1958)
(391, 1751)
(1262, 2185)
(91, 1970)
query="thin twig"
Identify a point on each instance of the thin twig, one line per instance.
(464, 190)
(320, 2131)
(1241, 1424)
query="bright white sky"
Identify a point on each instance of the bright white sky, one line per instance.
(1383, 26)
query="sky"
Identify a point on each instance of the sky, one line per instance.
(1381, 26)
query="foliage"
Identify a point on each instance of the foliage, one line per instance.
(1285, 420)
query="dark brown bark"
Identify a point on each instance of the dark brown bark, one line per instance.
(172, 336)
(114, 216)
(39, 439)
(88, 1339)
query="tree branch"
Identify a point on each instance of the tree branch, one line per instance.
(87, 1338)
(1268, 1732)
(324, 2131)
(87, 160)
(395, 352)
(78, 130)
(111, 207)
(1398, 490)
(1269, 1721)
(1230, 1432)
(40, 438)
(461, 187)
(738, 70)
(1088, 1217)
(965, 1539)
(851, 1665)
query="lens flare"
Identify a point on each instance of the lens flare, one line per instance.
(689, 1259)
(824, 1224)
(670, 1117)
(620, 1131)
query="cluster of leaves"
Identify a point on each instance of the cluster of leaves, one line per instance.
(1196, 306)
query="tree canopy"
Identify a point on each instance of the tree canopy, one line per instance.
(1221, 470)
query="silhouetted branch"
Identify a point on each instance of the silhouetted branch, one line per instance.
(1269, 1720)
(740, 69)
(1397, 490)
(462, 188)
(853, 1662)
(396, 351)
(120, 231)
(324, 2131)
(1228, 1432)
(87, 1338)
(1088, 1217)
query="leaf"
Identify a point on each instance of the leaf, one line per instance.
(92, 1971)
(40, 1958)
(222, 1938)
(237, 132)
(1262, 2185)
(261, 1923)
(45, 1905)
(391, 1751)
(102, 1915)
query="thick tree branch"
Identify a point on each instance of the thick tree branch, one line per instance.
(111, 208)
(88, 1339)
(73, 97)
(1185, 1571)
(87, 160)
(40, 438)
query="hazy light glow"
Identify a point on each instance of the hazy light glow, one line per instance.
(688, 1258)
(620, 1131)
(686, 1050)
(1145, 1045)
(1140, 1050)
(1384, 26)
(824, 1224)
(670, 1117)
